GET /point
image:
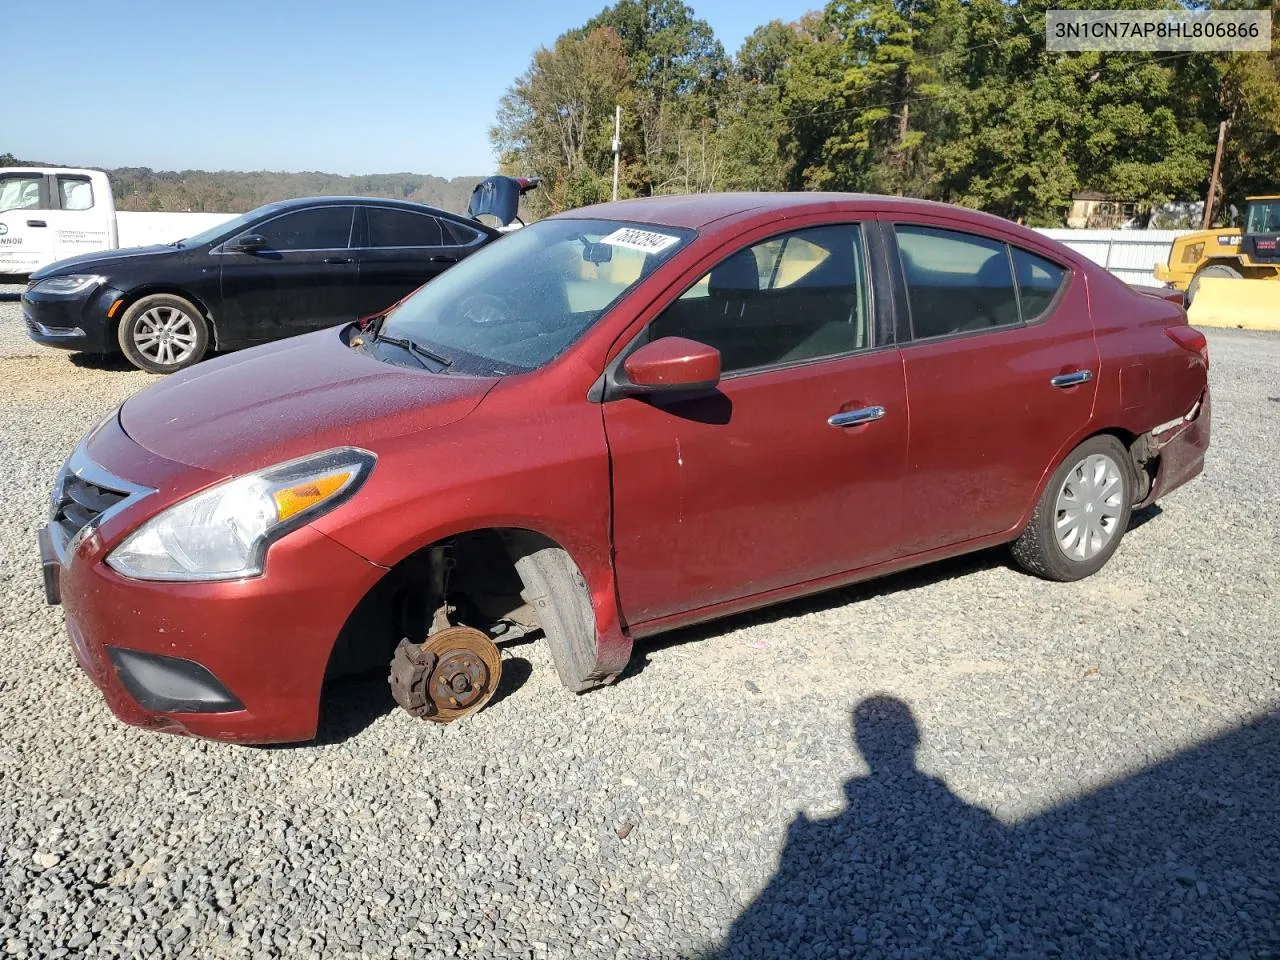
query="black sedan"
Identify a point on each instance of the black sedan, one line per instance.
(282, 269)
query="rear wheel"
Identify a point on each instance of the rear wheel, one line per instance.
(163, 333)
(1082, 514)
(1212, 270)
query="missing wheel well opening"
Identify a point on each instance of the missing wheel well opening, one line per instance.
(469, 580)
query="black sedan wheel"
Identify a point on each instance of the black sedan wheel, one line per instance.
(163, 333)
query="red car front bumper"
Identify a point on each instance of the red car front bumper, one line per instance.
(262, 643)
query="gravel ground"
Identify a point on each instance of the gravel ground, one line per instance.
(1095, 768)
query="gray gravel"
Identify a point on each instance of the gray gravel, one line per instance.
(1096, 773)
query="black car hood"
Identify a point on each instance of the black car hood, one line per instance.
(101, 260)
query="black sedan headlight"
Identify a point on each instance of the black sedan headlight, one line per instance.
(69, 286)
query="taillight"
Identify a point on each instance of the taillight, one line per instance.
(1189, 338)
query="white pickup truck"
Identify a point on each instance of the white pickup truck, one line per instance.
(51, 213)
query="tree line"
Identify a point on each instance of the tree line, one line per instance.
(951, 100)
(227, 191)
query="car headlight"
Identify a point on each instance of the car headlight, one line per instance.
(223, 533)
(1192, 253)
(70, 285)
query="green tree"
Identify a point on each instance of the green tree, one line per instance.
(677, 69)
(556, 120)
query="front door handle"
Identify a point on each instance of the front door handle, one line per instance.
(36, 223)
(443, 258)
(1073, 379)
(337, 259)
(852, 418)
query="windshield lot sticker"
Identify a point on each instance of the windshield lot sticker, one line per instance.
(643, 240)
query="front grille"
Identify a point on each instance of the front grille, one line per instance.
(79, 503)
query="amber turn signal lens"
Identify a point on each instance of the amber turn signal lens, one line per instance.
(293, 500)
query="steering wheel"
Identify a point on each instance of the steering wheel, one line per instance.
(482, 309)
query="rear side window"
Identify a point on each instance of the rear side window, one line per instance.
(320, 228)
(20, 191)
(75, 193)
(956, 282)
(402, 228)
(1039, 281)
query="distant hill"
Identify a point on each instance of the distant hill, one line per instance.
(230, 191)
(234, 191)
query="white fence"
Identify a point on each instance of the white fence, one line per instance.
(144, 229)
(1129, 254)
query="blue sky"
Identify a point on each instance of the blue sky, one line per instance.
(363, 86)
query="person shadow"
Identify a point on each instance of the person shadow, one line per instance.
(1179, 859)
(906, 870)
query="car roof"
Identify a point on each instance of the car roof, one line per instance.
(699, 210)
(296, 202)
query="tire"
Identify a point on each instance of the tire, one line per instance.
(1212, 270)
(163, 333)
(1047, 547)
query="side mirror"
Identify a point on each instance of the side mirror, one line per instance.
(671, 363)
(246, 243)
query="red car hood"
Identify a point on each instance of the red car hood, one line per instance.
(287, 399)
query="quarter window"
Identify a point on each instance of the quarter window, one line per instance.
(461, 234)
(956, 282)
(75, 193)
(20, 191)
(799, 296)
(320, 228)
(402, 228)
(1038, 283)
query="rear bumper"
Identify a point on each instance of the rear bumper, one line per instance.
(1181, 450)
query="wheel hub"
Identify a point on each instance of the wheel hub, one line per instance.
(450, 676)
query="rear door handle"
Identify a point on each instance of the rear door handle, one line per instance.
(852, 418)
(443, 259)
(36, 223)
(1073, 379)
(337, 259)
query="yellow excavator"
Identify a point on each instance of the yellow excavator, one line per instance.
(1220, 270)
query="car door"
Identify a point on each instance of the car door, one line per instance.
(400, 251)
(303, 278)
(1000, 376)
(77, 221)
(789, 471)
(26, 242)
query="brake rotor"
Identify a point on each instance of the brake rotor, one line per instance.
(462, 670)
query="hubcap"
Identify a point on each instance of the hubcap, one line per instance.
(1089, 507)
(165, 335)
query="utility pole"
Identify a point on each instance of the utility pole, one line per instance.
(617, 146)
(1213, 177)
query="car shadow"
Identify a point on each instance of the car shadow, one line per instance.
(1181, 859)
(915, 578)
(349, 705)
(111, 362)
(6, 297)
(938, 572)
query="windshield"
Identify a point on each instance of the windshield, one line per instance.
(227, 227)
(1264, 217)
(520, 302)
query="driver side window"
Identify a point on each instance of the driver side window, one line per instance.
(20, 191)
(794, 297)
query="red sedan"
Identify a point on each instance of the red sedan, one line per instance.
(612, 423)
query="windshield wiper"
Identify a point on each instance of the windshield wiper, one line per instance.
(415, 348)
